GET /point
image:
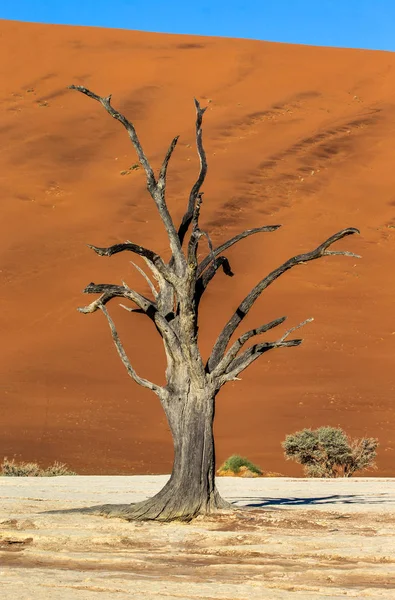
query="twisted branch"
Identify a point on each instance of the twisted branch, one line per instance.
(243, 339)
(213, 253)
(147, 279)
(245, 306)
(105, 101)
(165, 164)
(251, 355)
(195, 235)
(151, 257)
(236, 366)
(159, 391)
(204, 280)
(156, 189)
(187, 218)
(109, 291)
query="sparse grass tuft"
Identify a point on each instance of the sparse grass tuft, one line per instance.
(133, 167)
(10, 468)
(57, 469)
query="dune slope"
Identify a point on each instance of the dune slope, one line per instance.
(294, 135)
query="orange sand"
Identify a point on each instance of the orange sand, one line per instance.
(294, 135)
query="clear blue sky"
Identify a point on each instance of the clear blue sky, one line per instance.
(345, 23)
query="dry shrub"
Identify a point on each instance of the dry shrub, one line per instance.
(10, 468)
(329, 452)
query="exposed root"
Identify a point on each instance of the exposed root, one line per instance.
(166, 506)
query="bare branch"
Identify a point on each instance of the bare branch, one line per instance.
(251, 355)
(342, 253)
(245, 306)
(120, 349)
(150, 256)
(287, 333)
(156, 189)
(165, 299)
(132, 310)
(175, 245)
(109, 292)
(156, 273)
(187, 218)
(148, 280)
(239, 343)
(206, 261)
(106, 102)
(229, 369)
(165, 164)
(210, 244)
(127, 246)
(196, 211)
(204, 280)
(195, 235)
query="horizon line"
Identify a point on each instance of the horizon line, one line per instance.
(198, 35)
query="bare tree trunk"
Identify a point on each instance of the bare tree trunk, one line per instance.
(191, 489)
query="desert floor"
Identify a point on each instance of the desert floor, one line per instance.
(295, 538)
(295, 135)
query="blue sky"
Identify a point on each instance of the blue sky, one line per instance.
(344, 23)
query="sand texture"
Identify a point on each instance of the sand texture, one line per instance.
(307, 539)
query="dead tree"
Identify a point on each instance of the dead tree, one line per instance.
(188, 398)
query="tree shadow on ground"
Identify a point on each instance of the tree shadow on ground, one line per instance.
(96, 509)
(244, 503)
(293, 501)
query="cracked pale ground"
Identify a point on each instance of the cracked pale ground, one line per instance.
(304, 539)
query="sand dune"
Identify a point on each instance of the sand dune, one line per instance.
(295, 135)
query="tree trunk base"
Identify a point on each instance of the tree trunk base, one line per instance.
(165, 506)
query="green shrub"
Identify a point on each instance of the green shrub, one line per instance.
(329, 452)
(235, 462)
(10, 468)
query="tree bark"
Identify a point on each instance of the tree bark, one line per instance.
(191, 489)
